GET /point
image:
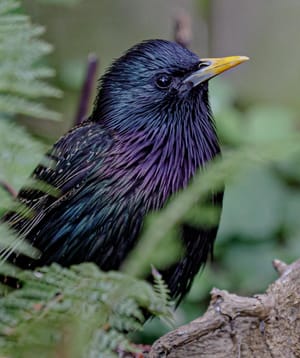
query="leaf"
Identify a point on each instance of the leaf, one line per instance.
(253, 205)
(19, 154)
(263, 124)
(21, 75)
(93, 310)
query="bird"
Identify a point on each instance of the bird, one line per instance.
(151, 129)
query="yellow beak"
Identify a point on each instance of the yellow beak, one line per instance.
(211, 67)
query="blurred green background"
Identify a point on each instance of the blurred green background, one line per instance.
(255, 103)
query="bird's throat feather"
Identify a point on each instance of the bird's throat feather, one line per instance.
(158, 161)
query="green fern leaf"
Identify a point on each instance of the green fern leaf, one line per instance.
(21, 77)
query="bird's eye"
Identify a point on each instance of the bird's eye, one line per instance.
(163, 81)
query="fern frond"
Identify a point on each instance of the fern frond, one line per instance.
(82, 301)
(163, 293)
(9, 241)
(19, 154)
(21, 76)
(160, 287)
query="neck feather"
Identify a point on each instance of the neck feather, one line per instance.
(160, 160)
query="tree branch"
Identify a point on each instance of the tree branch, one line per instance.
(265, 326)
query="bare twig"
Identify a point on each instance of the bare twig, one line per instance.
(8, 188)
(280, 266)
(86, 90)
(183, 29)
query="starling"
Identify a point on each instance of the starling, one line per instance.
(150, 130)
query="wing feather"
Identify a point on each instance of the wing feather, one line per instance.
(60, 175)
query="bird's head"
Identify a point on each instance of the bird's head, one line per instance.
(155, 82)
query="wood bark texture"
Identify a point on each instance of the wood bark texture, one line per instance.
(263, 326)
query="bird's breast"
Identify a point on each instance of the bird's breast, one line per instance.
(153, 171)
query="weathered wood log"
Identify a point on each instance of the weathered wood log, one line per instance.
(263, 326)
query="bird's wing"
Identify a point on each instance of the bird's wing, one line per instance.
(60, 175)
